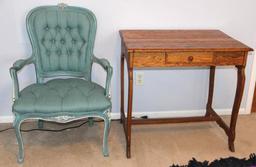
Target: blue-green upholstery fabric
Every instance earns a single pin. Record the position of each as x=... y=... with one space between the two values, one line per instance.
x=62 y=95
x=62 y=40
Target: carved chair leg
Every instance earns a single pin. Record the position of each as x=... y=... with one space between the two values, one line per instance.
x=17 y=123
x=40 y=124
x=105 y=136
x=91 y=122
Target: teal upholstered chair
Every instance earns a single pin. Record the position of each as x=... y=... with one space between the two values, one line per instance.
x=62 y=39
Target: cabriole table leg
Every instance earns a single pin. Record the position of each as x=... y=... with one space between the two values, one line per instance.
x=236 y=106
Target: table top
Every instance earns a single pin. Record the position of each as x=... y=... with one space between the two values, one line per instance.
x=180 y=40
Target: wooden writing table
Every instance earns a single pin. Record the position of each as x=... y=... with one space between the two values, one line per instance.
x=181 y=48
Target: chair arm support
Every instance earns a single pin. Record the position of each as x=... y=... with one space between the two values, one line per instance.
x=18 y=65
x=104 y=63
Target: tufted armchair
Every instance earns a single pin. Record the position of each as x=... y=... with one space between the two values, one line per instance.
x=62 y=39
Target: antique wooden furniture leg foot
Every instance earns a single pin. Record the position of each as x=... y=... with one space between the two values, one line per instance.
x=231 y=145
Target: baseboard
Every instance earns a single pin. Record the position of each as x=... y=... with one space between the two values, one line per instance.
x=6 y=119
x=153 y=114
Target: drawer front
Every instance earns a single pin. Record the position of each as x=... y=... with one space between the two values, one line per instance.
x=147 y=59
x=190 y=58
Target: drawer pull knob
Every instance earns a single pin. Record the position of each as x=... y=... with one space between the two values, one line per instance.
x=190 y=58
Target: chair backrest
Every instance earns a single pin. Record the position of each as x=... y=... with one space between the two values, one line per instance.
x=62 y=40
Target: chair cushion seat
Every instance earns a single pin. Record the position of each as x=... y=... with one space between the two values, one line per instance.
x=62 y=95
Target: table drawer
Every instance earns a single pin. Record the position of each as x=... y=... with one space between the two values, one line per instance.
x=189 y=58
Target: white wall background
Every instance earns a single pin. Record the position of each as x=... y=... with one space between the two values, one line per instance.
x=164 y=90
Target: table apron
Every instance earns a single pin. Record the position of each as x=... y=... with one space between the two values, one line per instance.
x=187 y=59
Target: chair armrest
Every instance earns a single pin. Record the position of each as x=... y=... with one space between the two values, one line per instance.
x=104 y=63
x=18 y=65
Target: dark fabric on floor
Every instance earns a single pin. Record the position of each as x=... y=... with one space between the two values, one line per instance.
x=223 y=162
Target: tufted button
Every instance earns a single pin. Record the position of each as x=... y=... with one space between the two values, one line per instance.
x=70 y=51
x=79 y=52
x=74 y=41
x=47 y=52
x=62 y=41
x=53 y=40
x=57 y=28
x=84 y=41
x=68 y=28
x=46 y=28
x=58 y=52
x=42 y=40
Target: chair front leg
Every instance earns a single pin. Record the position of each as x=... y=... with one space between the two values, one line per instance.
x=17 y=124
x=107 y=121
